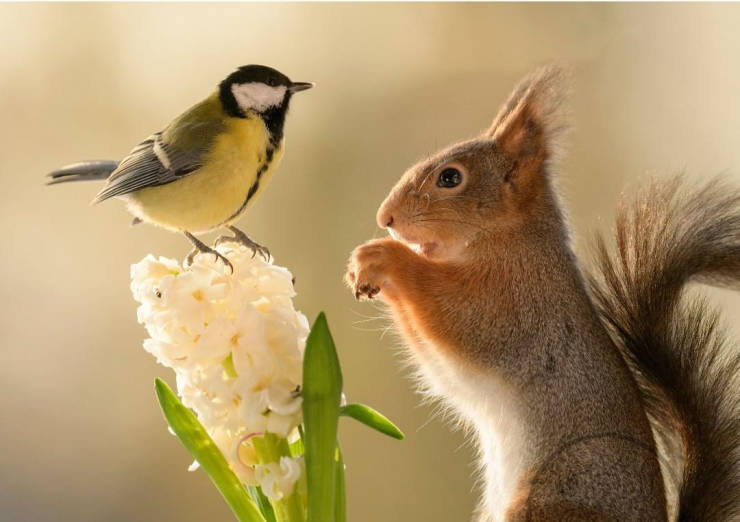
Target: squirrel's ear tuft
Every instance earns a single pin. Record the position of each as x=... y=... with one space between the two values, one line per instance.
x=532 y=123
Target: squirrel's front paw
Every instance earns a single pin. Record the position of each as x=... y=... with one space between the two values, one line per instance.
x=370 y=265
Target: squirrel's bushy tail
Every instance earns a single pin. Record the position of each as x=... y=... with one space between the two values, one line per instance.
x=689 y=374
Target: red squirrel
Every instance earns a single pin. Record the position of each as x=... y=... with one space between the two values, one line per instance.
x=577 y=387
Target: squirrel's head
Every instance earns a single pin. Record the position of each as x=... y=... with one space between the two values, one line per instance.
x=483 y=189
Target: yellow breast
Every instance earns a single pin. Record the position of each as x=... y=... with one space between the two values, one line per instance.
x=215 y=194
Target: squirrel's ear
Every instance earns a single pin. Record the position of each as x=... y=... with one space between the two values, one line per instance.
x=531 y=123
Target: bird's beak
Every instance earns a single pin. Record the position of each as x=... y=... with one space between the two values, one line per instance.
x=300 y=86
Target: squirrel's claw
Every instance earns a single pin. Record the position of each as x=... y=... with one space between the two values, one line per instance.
x=369 y=268
x=366 y=290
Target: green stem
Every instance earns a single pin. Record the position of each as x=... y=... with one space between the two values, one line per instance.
x=270 y=448
x=289 y=509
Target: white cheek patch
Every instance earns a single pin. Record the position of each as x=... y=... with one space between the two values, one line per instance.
x=258 y=96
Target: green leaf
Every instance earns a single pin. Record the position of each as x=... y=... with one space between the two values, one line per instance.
x=200 y=445
x=340 y=501
x=262 y=502
x=322 y=389
x=372 y=418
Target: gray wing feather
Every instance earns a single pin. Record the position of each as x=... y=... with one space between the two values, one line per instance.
x=149 y=164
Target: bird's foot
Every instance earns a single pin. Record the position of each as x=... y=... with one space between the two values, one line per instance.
x=241 y=238
x=194 y=252
x=202 y=248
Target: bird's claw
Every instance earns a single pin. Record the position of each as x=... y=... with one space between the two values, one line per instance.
x=263 y=251
x=241 y=238
x=206 y=250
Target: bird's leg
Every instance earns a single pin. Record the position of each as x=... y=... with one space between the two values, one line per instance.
x=202 y=248
x=241 y=237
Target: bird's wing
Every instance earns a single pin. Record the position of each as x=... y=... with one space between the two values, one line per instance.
x=158 y=161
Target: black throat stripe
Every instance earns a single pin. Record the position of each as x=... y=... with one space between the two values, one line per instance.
x=269 y=152
x=274 y=119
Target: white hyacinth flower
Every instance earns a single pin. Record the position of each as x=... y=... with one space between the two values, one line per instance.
x=277 y=477
x=236 y=344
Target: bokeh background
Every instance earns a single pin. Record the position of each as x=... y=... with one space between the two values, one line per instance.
x=81 y=437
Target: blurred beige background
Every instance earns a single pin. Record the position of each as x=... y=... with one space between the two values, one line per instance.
x=656 y=89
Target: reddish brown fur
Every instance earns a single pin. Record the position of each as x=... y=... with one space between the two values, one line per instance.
x=497 y=317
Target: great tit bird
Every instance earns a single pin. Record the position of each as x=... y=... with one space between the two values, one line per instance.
x=204 y=169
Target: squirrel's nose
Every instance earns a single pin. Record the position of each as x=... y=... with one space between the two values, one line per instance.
x=384 y=219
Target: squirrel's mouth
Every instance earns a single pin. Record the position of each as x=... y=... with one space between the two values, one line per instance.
x=425 y=248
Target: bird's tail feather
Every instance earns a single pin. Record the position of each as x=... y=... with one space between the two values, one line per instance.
x=85 y=171
x=687 y=369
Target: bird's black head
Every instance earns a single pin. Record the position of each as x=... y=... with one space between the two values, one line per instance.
x=259 y=89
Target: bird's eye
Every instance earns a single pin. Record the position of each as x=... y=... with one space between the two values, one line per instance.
x=449 y=177
x=272 y=82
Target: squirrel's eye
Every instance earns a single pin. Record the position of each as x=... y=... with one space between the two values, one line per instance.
x=449 y=177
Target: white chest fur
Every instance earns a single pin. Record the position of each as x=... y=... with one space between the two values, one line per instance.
x=485 y=403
